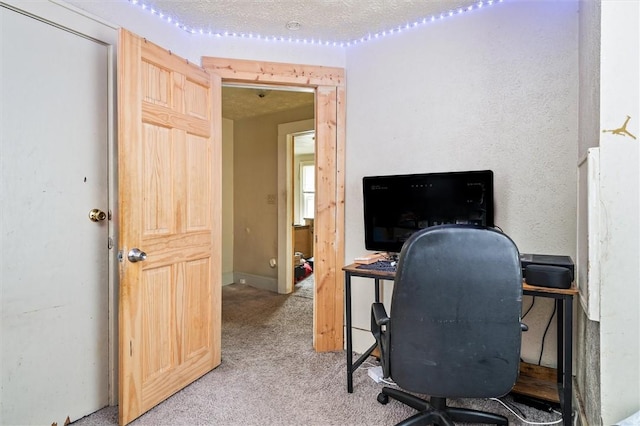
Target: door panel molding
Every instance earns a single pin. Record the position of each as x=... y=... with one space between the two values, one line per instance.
x=170 y=188
x=328 y=83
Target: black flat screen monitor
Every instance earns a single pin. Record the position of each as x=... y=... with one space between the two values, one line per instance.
x=397 y=206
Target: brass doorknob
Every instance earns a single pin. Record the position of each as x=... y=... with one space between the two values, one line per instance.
x=97 y=215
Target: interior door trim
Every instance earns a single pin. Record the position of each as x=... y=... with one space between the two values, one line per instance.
x=329 y=86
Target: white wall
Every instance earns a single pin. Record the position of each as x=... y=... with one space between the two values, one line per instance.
x=494 y=89
x=620 y=267
x=607 y=365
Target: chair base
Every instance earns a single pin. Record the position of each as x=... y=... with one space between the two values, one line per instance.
x=435 y=411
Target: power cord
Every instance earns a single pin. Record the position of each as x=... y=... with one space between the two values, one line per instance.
x=544 y=335
x=377 y=376
x=555 y=422
x=533 y=302
x=514 y=407
x=388 y=382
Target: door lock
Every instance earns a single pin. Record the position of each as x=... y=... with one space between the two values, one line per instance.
x=97 y=215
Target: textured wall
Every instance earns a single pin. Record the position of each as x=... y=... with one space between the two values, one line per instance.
x=587 y=368
x=589 y=83
x=587 y=336
x=495 y=89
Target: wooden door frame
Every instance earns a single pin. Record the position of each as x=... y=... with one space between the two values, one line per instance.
x=285 y=201
x=330 y=115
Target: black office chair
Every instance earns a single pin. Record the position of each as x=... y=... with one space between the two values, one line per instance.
x=455 y=329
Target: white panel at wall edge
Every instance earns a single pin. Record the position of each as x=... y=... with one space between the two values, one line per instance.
x=588 y=258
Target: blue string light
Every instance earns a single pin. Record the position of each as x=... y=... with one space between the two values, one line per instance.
x=384 y=33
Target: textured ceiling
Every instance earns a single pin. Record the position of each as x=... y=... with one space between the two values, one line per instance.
x=327 y=20
x=241 y=102
x=339 y=21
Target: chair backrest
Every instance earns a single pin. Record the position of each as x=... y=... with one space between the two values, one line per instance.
x=455 y=313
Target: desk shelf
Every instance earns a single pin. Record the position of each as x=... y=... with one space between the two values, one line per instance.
x=537 y=382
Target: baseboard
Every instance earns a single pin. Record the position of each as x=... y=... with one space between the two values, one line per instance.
x=227 y=278
x=257 y=281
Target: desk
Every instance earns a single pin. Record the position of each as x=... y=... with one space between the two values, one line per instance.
x=564 y=322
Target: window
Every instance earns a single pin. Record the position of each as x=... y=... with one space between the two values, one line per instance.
x=308 y=189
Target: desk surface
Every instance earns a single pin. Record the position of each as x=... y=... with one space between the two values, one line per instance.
x=389 y=275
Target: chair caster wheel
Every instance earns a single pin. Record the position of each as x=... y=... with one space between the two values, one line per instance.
x=383 y=399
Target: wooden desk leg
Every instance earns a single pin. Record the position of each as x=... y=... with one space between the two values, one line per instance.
x=347 y=299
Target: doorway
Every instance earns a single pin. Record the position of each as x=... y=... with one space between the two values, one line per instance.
x=255 y=184
x=286 y=205
x=328 y=85
x=302 y=190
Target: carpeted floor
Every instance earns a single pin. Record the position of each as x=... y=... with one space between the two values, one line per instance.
x=304 y=288
x=270 y=375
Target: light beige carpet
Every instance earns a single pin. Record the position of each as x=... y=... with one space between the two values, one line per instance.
x=304 y=288
x=270 y=375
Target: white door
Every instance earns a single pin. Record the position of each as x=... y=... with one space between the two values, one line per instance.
x=53 y=259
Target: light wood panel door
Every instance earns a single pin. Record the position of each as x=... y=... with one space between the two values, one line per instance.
x=169 y=188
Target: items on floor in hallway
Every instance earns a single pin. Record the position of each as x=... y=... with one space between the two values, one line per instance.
x=302 y=267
